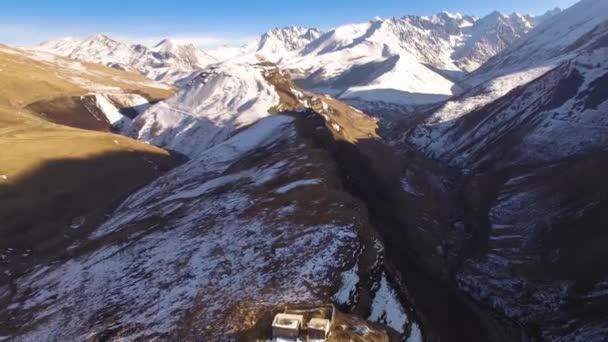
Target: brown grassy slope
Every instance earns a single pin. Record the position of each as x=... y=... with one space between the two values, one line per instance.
x=345 y=122
x=51 y=174
x=27 y=77
x=53 y=86
x=74 y=111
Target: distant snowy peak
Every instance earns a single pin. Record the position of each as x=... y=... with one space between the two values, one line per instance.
x=104 y=50
x=550 y=13
x=554 y=39
x=450 y=41
x=183 y=54
x=215 y=104
x=279 y=42
x=169 y=45
x=168 y=61
x=411 y=60
x=545 y=79
x=488 y=36
x=447 y=20
x=61 y=46
x=292 y=37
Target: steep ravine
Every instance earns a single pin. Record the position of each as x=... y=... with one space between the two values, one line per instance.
x=371 y=171
x=424 y=236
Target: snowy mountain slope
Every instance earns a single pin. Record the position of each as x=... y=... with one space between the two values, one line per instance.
x=226 y=98
x=279 y=43
x=220 y=101
x=530 y=146
x=186 y=248
x=220 y=235
x=460 y=131
x=40 y=96
x=410 y=60
x=488 y=36
x=544 y=223
x=547 y=43
x=168 y=61
x=273 y=46
x=219 y=240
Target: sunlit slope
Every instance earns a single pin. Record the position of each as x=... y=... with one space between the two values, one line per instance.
x=57 y=182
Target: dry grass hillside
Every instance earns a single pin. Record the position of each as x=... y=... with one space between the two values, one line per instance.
x=30 y=76
x=345 y=122
x=59 y=89
x=58 y=182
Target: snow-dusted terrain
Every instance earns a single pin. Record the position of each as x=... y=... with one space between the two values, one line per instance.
x=410 y=60
x=281 y=43
x=168 y=61
x=217 y=103
x=406 y=61
x=194 y=252
x=531 y=136
x=501 y=193
x=545 y=98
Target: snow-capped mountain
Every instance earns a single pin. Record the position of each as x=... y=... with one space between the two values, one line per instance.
x=167 y=62
x=273 y=46
x=530 y=139
x=215 y=104
x=410 y=60
x=182 y=56
x=279 y=43
x=488 y=36
x=550 y=13
x=511 y=69
x=551 y=41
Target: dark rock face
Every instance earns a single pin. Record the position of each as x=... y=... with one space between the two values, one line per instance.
x=595 y=94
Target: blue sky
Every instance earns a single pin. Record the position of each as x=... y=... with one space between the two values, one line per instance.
x=212 y=23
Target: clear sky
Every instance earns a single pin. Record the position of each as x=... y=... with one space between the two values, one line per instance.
x=210 y=23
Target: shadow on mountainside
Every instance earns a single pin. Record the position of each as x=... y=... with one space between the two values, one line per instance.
x=420 y=229
x=371 y=171
x=48 y=209
x=74 y=111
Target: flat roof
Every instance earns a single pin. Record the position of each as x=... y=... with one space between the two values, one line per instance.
x=287 y=321
x=319 y=324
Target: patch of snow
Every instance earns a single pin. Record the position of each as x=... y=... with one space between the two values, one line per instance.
x=347 y=293
x=415 y=334
x=387 y=308
x=128 y=100
x=408 y=187
x=203 y=254
x=112 y=113
x=304 y=182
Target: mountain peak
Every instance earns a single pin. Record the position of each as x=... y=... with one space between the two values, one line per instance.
x=100 y=37
x=451 y=15
x=166 y=45
x=165 y=42
x=550 y=13
x=278 y=41
x=288 y=32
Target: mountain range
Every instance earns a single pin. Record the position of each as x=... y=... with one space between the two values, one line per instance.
x=408 y=61
x=436 y=178
x=168 y=61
